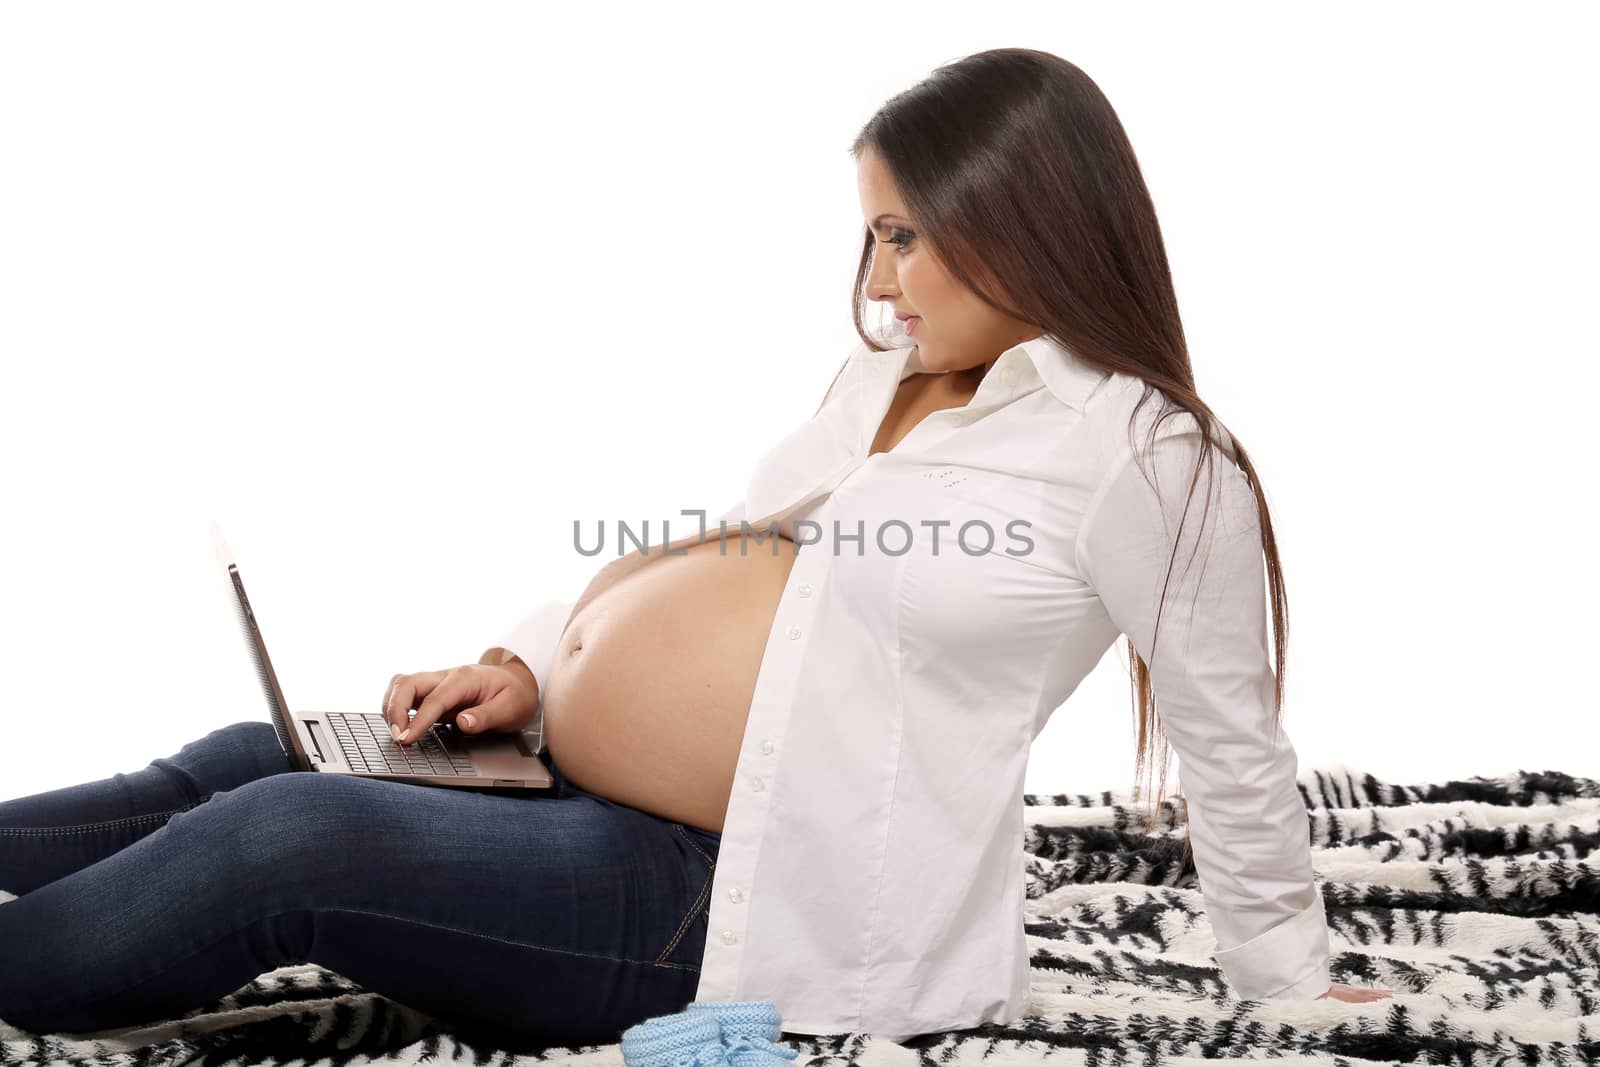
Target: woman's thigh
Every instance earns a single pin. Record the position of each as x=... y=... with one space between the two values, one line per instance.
x=562 y=918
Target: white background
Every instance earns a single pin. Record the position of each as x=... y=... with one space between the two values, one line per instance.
x=398 y=291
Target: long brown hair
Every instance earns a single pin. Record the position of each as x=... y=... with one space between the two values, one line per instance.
x=1016 y=169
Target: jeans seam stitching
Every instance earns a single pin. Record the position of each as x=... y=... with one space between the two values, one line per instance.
x=703 y=854
x=688 y=920
x=91 y=827
x=694 y=909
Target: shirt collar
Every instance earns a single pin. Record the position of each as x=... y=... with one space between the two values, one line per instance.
x=1069 y=379
x=1021 y=368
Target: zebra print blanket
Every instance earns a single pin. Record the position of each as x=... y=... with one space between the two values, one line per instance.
x=1475 y=899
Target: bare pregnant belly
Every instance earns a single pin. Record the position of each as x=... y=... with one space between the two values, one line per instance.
x=647 y=701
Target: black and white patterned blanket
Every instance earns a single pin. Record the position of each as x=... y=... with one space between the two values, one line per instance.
x=1475 y=899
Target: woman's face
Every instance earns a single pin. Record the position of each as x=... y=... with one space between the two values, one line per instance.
x=954 y=330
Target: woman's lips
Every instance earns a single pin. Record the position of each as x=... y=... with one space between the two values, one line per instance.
x=911 y=323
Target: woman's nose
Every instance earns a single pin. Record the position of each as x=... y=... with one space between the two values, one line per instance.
x=881 y=284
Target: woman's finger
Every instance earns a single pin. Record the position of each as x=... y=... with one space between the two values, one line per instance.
x=452 y=689
x=1355 y=994
x=494 y=714
x=403 y=693
x=397 y=701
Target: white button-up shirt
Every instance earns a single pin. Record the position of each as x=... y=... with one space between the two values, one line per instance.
x=947 y=596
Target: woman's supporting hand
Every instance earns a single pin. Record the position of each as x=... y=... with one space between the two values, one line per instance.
x=476 y=697
x=1355 y=993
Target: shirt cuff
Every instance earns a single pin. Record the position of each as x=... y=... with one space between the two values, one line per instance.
x=535 y=641
x=1288 y=962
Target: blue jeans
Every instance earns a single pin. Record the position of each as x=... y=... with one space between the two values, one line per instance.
x=540 y=917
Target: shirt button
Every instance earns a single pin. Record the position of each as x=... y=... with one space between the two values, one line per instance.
x=736 y=894
x=756 y=784
x=729 y=937
x=766 y=746
x=794 y=633
x=805 y=588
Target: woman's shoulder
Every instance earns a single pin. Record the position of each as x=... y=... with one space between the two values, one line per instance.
x=1125 y=400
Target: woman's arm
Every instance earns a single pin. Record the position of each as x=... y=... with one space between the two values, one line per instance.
x=1214 y=687
x=533 y=641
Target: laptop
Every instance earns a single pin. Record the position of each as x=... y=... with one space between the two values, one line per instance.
x=359 y=743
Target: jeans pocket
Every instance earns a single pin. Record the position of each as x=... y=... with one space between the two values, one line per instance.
x=687 y=946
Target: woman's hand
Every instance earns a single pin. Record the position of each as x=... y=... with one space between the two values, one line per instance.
x=1355 y=993
x=477 y=698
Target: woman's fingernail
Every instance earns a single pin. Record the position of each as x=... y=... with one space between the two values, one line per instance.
x=394 y=731
x=466 y=720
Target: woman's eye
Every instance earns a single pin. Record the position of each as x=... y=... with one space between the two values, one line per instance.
x=900 y=238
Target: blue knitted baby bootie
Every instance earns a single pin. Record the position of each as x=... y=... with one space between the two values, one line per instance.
x=677 y=1040
x=750 y=1030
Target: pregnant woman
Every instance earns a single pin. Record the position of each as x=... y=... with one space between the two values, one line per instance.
x=788 y=748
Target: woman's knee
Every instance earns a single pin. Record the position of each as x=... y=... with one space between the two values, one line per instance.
x=226 y=758
x=253 y=738
x=278 y=809
x=301 y=831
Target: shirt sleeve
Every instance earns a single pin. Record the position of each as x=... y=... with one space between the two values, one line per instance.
x=536 y=638
x=1213 y=682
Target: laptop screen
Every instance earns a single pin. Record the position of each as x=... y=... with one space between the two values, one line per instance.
x=277 y=707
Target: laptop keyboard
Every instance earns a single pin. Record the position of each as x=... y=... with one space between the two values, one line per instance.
x=369 y=747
